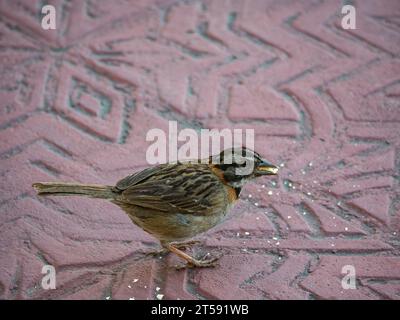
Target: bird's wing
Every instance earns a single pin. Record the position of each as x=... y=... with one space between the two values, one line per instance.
x=138 y=177
x=183 y=188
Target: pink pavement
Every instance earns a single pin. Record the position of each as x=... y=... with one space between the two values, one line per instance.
x=76 y=104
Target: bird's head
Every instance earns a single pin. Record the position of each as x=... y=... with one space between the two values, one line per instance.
x=240 y=165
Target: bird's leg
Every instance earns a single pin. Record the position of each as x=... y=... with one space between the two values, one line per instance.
x=191 y=262
x=178 y=245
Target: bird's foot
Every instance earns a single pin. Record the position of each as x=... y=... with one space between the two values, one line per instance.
x=185 y=244
x=199 y=263
x=159 y=252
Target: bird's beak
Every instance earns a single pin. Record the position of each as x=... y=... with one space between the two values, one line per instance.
x=265 y=168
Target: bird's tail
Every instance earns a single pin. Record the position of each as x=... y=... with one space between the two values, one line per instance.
x=74 y=189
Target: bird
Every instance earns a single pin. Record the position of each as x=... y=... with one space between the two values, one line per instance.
x=176 y=201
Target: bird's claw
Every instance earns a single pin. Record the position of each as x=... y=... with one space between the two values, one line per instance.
x=155 y=253
x=202 y=263
x=186 y=244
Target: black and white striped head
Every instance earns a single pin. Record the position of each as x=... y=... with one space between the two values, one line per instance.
x=241 y=164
